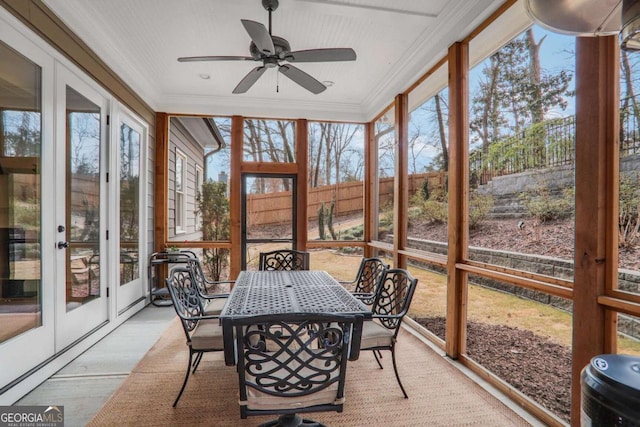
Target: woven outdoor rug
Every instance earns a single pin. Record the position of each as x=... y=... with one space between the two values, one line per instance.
x=439 y=395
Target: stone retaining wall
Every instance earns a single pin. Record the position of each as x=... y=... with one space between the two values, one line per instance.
x=628 y=280
x=506 y=189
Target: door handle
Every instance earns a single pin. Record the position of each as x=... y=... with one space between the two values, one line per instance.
x=63 y=245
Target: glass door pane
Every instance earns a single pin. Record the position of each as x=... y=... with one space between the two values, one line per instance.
x=130 y=136
x=269 y=215
x=20 y=194
x=82 y=200
x=129 y=203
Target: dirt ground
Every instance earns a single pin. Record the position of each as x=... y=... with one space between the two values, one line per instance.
x=532 y=364
x=553 y=238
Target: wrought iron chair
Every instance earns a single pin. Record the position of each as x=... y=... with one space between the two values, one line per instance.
x=284 y=259
x=294 y=363
x=203 y=332
x=213 y=303
x=365 y=284
x=390 y=305
x=158 y=269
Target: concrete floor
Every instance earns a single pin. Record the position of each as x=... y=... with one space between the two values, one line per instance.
x=86 y=383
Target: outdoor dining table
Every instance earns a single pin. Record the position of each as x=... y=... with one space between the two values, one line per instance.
x=272 y=292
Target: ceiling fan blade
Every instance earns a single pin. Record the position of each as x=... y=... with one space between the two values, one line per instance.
x=302 y=78
x=260 y=36
x=248 y=80
x=214 y=58
x=322 y=55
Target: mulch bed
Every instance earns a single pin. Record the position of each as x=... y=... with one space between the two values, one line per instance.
x=532 y=364
x=527 y=236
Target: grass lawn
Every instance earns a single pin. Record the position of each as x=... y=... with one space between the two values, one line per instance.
x=484 y=305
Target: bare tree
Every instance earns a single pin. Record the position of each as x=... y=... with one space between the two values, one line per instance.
x=441 y=132
x=629 y=104
x=269 y=141
x=515 y=90
x=331 y=153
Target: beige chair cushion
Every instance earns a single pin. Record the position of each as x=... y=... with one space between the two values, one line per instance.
x=261 y=401
x=375 y=335
x=207 y=335
x=214 y=306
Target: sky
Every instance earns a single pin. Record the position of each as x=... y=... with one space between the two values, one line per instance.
x=556 y=53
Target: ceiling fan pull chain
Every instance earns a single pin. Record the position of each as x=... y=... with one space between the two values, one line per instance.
x=277 y=82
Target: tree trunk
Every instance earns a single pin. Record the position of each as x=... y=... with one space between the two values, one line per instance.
x=630 y=98
x=443 y=136
x=288 y=152
x=327 y=136
x=316 y=172
x=489 y=125
x=537 y=115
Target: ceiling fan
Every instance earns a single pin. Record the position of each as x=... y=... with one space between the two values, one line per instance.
x=271 y=50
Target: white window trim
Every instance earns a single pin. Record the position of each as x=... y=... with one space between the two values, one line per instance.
x=180 y=206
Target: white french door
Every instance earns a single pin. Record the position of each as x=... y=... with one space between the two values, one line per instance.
x=131 y=135
x=27 y=268
x=80 y=208
x=72 y=211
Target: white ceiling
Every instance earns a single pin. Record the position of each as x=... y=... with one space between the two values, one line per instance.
x=395 y=42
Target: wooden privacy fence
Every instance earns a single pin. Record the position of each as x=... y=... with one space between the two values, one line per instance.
x=275 y=208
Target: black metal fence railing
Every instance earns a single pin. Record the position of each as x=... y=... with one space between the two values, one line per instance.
x=547 y=144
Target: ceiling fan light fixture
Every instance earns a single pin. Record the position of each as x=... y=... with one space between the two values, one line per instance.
x=630 y=33
x=270 y=50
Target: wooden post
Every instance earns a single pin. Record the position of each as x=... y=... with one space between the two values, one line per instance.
x=401 y=183
x=235 y=196
x=370 y=168
x=302 y=159
x=597 y=173
x=458 y=198
x=161 y=189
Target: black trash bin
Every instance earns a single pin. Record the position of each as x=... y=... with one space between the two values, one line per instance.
x=611 y=391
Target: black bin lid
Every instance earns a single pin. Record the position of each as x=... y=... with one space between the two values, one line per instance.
x=619 y=370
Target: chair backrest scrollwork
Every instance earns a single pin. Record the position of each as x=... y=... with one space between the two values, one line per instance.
x=393 y=297
x=185 y=297
x=287 y=362
x=368 y=278
x=284 y=259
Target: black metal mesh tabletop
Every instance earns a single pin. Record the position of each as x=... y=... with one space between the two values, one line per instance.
x=269 y=292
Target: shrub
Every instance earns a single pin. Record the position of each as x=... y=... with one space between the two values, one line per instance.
x=629 y=215
x=213 y=206
x=479 y=207
x=434 y=209
x=541 y=204
x=353 y=233
x=385 y=220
